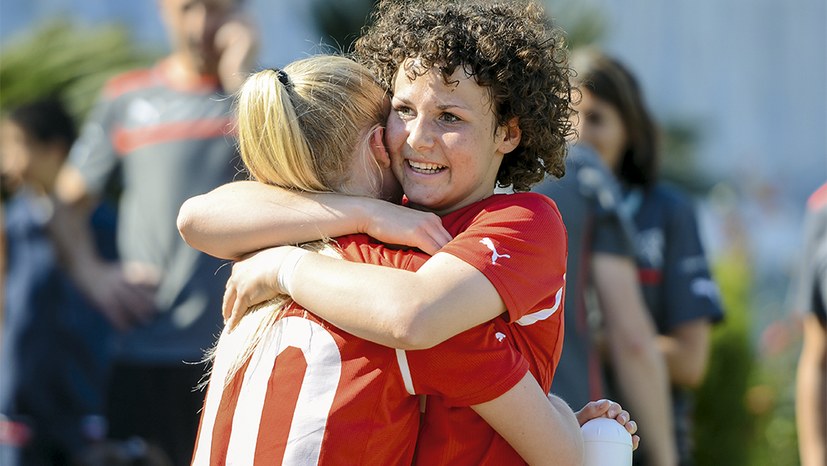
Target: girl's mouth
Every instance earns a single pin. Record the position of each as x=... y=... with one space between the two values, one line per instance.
x=426 y=168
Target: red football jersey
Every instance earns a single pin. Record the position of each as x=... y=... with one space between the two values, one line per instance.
x=519 y=242
x=314 y=394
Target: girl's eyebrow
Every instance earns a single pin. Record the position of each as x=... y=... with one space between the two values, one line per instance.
x=439 y=107
x=450 y=106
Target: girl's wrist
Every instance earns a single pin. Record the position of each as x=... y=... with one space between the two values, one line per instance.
x=284 y=277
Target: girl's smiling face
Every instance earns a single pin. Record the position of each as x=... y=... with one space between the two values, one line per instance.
x=444 y=144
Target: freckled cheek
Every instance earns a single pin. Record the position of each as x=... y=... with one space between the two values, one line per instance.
x=396 y=134
x=453 y=142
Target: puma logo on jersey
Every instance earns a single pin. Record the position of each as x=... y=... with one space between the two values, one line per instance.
x=494 y=254
x=500 y=336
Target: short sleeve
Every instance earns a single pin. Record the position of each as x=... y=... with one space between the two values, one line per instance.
x=691 y=292
x=519 y=243
x=472 y=367
x=93 y=154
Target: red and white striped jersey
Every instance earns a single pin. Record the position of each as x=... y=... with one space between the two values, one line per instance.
x=313 y=394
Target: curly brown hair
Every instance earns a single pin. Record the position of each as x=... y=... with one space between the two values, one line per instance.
x=508 y=47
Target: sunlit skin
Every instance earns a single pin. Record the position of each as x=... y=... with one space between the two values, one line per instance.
x=442 y=141
x=599 y=124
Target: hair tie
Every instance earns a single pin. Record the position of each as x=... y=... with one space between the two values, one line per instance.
x=282 y=76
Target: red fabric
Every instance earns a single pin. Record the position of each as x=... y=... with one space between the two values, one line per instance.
x=127 y=141
x=157 y=75
x=527 y=228
x=130 y=81
x=650 y=276
x=372 y=418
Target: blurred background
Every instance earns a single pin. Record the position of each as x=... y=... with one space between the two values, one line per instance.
x=739 y=88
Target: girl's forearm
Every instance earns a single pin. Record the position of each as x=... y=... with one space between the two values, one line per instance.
x=246 y=216
x=543 y=430
x=397 y=308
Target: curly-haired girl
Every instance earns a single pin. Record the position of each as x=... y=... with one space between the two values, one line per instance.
x=506 y=48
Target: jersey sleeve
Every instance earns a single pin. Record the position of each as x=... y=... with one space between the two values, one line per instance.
x=472 y=367
x=94 y=154
x=520 y=245
x=687 y=282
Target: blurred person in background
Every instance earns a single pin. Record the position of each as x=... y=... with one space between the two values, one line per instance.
x=160 y=136
x=677 y=287
x=55 y=351
x=808 y=299
x=601 y=262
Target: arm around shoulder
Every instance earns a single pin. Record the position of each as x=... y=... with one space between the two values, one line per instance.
x=245 y=216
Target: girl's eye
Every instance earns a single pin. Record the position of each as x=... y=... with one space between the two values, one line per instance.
x=450 y=117
x=403 y=111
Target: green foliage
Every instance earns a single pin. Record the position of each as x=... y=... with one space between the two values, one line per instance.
x=679 y=139
x=772 y=398
x=723 y=425
x=61 y=59
x=341 y=21
x=584 y=22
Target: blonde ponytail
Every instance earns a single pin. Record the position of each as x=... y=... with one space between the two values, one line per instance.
x=268 y=128
x=305 y=134
x=303 y=128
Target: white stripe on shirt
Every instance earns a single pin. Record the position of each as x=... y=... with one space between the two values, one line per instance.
x=544 y=314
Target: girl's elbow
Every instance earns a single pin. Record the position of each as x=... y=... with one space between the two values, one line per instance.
x=191 y=226
x=411 y=329
x=412 y=338
x=409 y=341
x=187 y=219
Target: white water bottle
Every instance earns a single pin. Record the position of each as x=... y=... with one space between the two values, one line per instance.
x=606 y=443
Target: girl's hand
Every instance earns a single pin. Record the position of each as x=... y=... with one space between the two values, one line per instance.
x=394 y=224
x=611 y=410
x=254 y=280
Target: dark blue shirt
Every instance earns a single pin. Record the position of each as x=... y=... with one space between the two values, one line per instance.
x=55 y=346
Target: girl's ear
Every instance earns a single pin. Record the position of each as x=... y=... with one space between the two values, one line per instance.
x=377 y=147
x=511 y=135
